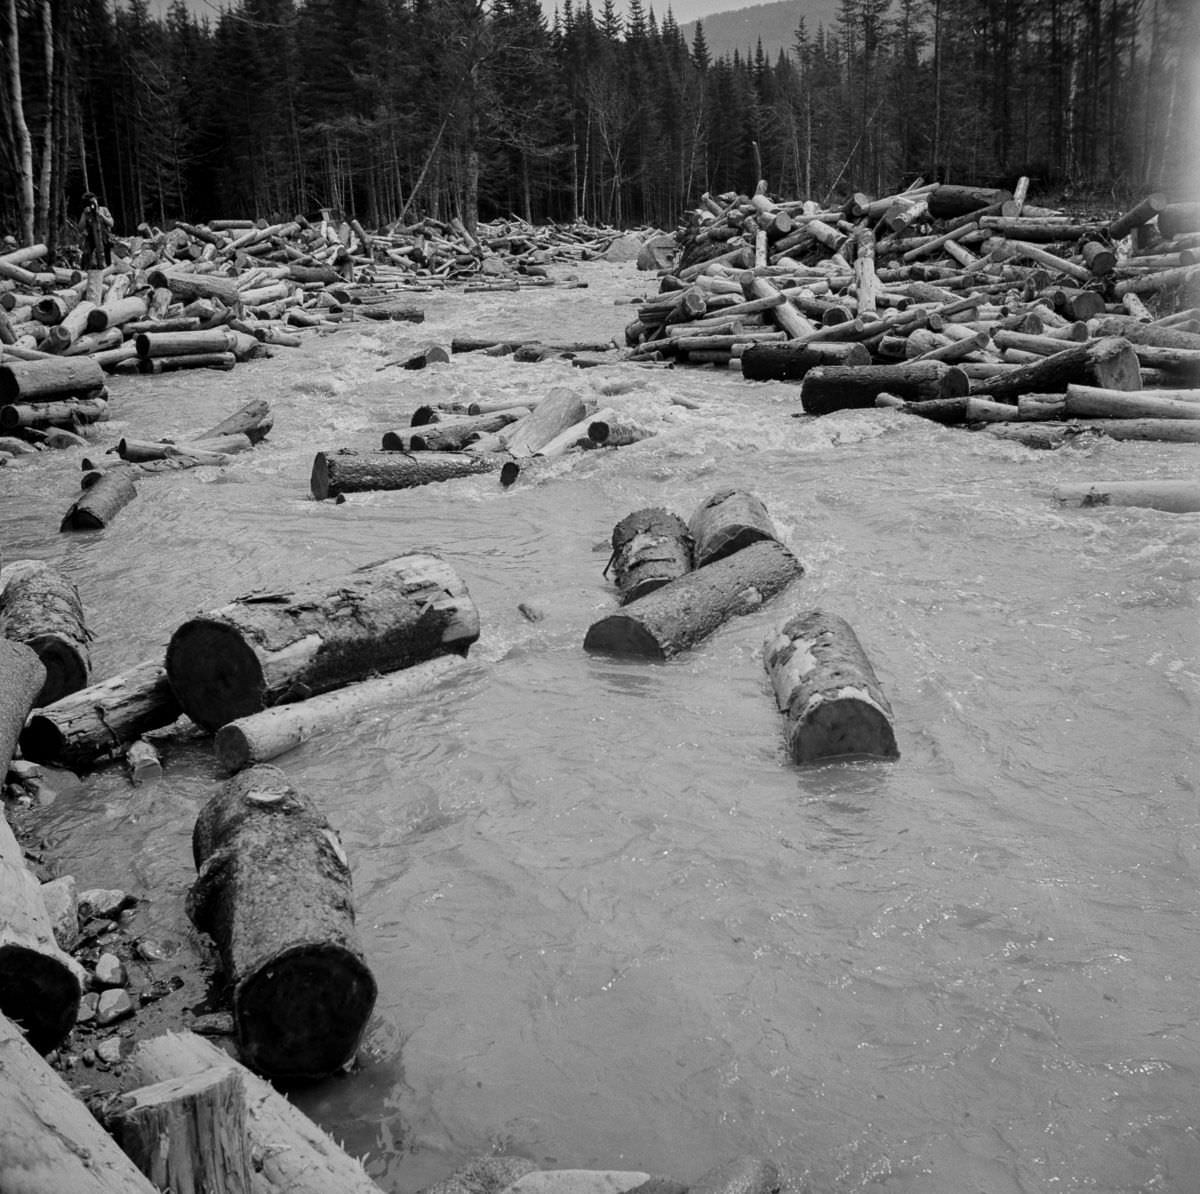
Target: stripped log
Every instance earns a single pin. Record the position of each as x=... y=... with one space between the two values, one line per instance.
x=252 y=420
x=264 y=736
x=727 y=522
x=1137 y=332
x=651 y=548
x=344 y=471
x=1172 y=431
x=682 y=613
x=829 y=388
x=791 y=361
x=22 y=675
x=826 y=688
x=101 y=720
x=189 y=286
x=151 y=345
x=273 y=891
x=291 y=1154
x=52 y=1142
x=49 y=377
x=1091 y=402
x=66 y=412
x=40 y=607
x=1110 y=363
x=560 y=409
x=101 y=500
x=269 y=649
x=1175 y=497
x=207 y=451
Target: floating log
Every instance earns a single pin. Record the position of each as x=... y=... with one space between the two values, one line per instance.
x=1175 y=431
x=207 y=451
x=50 y=377
x=269 y=649
x=41 y=608
x=273 y=891
x=100 y=501
x=341 y=472
x=449 y=435
x=1141 y=213
x=560 y=409
x=52 y=1142
x=1110 y=363
x=152 y=345
x=252 y=420
x=682 y=613
x=1175 y=497
x=66 y=412
x=791 y=361
x=264 y=736
x=291 y=1154
x=191 y=360
x=651 y=547
x=187 y=1134
x=101 y=720
x=829 y=388
x=727 y=522
x=826 y=688
x=405 y=312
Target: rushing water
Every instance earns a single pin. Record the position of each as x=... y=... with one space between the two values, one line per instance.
x=612 y=925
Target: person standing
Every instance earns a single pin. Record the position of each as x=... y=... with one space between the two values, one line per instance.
x=95 y=228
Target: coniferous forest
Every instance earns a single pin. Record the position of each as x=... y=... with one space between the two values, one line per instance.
x=395 y=109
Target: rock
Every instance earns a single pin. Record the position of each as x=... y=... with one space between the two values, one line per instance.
x=578 y=1181
x=87 y=1008
x=109 y=1050
x=661 y=1185
x=109 y=971
x=114 y=1005
x=213 y=1024
x=62 y=903
x=742 y=1175
x=658 y=253
x=624 y=248
x=103 y=902
x=483 y=1175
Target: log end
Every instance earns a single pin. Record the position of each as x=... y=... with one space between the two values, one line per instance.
x=214 y=673
x=320 y=482
x=40 y=993
x=844 y=727
x=302 y=1016
x=622 y=636
x=66 y=668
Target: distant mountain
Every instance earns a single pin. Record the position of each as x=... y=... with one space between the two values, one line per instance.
x=775 y=24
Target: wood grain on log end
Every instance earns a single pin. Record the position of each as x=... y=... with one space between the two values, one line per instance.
x=622 y=634
x=38 y=992
x=214 y=673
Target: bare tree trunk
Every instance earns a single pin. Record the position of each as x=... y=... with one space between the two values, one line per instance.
x=24 y=144
x=42 y=219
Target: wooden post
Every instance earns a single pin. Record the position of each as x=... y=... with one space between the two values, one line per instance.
x=825 y=686
x=273 y=892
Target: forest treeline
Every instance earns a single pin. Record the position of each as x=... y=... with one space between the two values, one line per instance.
x=395 y=109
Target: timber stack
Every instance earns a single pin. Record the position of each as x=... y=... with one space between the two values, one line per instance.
x=964 y=305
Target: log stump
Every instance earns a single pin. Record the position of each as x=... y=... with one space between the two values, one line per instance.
x=826 y=688
x=651 y=548
x=274 y=893
x=726 y=522
x=268 y=649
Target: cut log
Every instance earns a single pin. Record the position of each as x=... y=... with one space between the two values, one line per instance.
x=829 y=388
x=52 y=1143
x=1175 y=497
x=449 y=435
x=1137 y=332
x=680 y=614
x=791 y=361
x=1090 y=402
x=341 y=472
x=616 y=431
x=651 y=548
x=22 y=676
x=826 y=688
x=66 y=412
x=560 y=409
x=50 y=377
x=1141 y=213
x=41 y=608
x=188 y=286
x=291 y=1154
x=405 y=312
x=252 y=420
x=264 y=736
x=274 y=893
x=187 y=1135
x=1110 y=363
x=269 y=649
x=209 y=451
x=151 y=345
x=727 y=522
x=101 y=720
x=948 y=200
x=101 y=501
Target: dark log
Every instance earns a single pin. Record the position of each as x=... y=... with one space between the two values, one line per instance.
x=41 y=608
x=274 y=893
x=680 y=614
x=1076 y=304
x=186 y=360
x=950 y=412
x=1176 y=219
x=1110 y=363
x=826 y=688
x=727 y=522
x=52 y=1142
x=948 y=200
x=101 y=501
x=1175 y=497
x=1090 y=402
x=252 y=420
x=52 y=377
x=449 y=435
x=651 y=547
x=405 y=312
x=1141 y=213
x=337 y=473
x=172 y=344
x=66 y=412
x=829 y=388
x=102 y=720
x=291 y=1154
x=791 y=361
x=201 y=451
x=267 y=649
x=616 y=430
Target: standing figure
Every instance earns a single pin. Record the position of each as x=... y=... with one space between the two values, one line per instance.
x=95 y=226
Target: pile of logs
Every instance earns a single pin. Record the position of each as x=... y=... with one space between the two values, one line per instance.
x=963 y=305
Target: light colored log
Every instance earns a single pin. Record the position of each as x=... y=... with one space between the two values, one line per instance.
x=1090 y=402
x=1175 y=497
x=560 y=409
x=727 y=522
x=49 y=377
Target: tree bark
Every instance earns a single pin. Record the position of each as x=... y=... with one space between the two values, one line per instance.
x=825 y=686
x=948 y=200
x=726 y=523
x=337 y=473
x=682 y=613
x=1110 y=363
x=791 y=361
x=449 y=435
x=1138 y=333
x=100 y=502
x=269 y=649
x=274 y=893
x=1091 y=402
x=1176 y=497
x=252 y=420
x=66 y=412
x=50 y=377
x=81 y=729
x=828 y=388
x=651 y=548
x=173 y=344
x=188 y=286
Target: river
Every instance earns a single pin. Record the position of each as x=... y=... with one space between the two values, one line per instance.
x=612 y=925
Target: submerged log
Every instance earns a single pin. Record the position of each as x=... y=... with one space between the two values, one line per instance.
x=49 y=377
x=651 y=548
x=726 y=522
x=101 y=500
x=52 y=1142
x=829 y=388
x=1110 y=363
x=104 y=719
x=825 y=686
x=41 y=608
x=252 y=420
x=274 y=893
x=680 y=614
x=341 y=472
x=1175 y=497
x=291 y=1154
x=272 y=648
